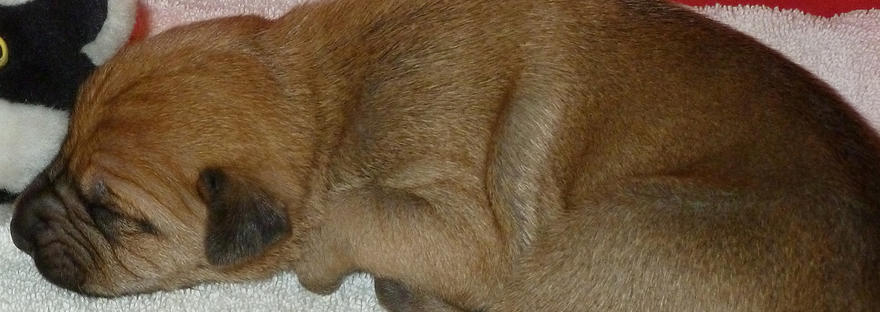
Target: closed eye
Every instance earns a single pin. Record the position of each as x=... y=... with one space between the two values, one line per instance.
x=115 y=225
x=109 y=221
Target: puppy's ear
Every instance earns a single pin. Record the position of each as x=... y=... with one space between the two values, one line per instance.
x=243 y=220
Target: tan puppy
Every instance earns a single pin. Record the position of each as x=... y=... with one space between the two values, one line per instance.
x=497 y=155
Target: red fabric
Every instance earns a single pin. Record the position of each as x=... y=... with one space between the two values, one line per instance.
x=142 y=23
x=817 y=7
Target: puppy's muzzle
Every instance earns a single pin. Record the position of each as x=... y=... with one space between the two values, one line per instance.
x=29 y=219
x=41 y=228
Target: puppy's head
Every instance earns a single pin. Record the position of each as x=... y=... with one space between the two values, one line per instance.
x=182 y=156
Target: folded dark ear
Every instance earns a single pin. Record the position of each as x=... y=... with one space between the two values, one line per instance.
x=243 y=220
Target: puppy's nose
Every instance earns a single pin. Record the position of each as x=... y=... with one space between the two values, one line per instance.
x=31 y=211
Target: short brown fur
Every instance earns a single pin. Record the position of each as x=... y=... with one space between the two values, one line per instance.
x=497 y=155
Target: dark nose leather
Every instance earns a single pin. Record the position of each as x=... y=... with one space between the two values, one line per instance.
x=37 y=229
x=31 y=211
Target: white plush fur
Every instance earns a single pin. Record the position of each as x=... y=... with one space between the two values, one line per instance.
x=29 y=138
x=13 y=2
x=115 y=31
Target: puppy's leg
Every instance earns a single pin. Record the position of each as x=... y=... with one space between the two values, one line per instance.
x=396 y=297
x=433 y=238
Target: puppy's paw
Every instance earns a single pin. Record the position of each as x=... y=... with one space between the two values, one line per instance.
x=393 y=295
x=323 y=272
x=322 y=285
x=396 y=297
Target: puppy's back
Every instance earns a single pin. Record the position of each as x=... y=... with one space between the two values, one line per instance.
x=696 y=168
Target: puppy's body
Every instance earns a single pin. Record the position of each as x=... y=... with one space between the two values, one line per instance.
x=501 y=155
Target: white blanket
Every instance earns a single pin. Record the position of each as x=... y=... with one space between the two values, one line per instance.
x=844 y=50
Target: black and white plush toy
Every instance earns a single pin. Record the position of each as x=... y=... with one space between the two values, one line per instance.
x=49 y=47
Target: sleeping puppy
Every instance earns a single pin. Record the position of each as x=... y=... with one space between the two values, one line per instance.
x=494 y=155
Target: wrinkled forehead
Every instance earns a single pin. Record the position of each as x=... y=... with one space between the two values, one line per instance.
x=131 y=182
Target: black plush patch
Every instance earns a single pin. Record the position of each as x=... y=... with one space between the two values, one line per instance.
x=242 y=219
x=45 y=39
x=6 y=196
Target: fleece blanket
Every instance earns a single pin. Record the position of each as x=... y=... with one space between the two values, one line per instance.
x=843 y=50
x=827 y=8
